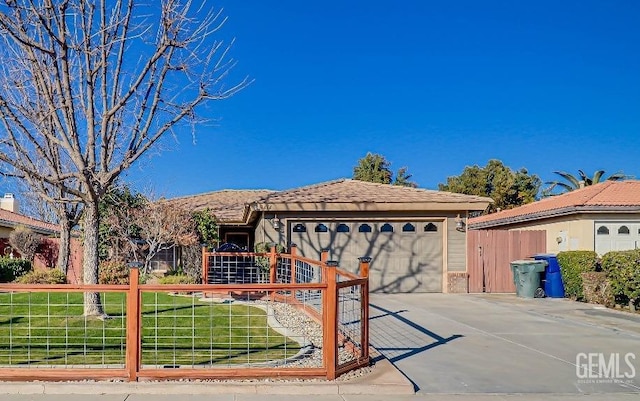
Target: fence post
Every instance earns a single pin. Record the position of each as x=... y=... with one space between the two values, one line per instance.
x=205 y=262
x=293 y=251
x=324 y=257
x=330 y=310
x=133 y=323
x=273 y=263
x=364 y=304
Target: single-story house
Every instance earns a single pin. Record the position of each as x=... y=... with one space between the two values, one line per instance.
x=415 y=237
x=600 y=217
x=10 y=218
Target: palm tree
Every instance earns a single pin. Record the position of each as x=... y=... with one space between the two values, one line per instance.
x=572 y=182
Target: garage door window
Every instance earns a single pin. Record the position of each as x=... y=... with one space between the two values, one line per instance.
x=342 y=228
x=299 y=228
x=321 y=228
x=623 y=230
x=386 y=228
x=430 y=228
x=408 y=228
x=364 y=228
x=603 y=230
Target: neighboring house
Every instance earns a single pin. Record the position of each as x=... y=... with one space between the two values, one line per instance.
x=10 y=219
x=415 y=237
x=600 y=217
x=47 y=256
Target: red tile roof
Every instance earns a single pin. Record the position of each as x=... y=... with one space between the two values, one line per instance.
x=11 y=219
x=605 y=196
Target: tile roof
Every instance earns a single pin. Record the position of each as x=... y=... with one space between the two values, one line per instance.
x=354 y=191
x=11 y=219
x=608 y=195
x=228 y=205
x=231 y=206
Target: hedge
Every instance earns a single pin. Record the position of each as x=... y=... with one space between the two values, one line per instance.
x=113 y=272
x=623 y=272
x=572 y=265
x=11 y=269
x=49 y=276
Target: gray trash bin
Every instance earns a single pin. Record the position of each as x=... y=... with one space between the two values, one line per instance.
x=526 y=276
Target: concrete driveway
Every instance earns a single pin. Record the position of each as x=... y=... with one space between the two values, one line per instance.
x=462 y=343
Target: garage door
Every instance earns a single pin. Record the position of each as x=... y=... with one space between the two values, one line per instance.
x=616 y=236
x=406 y=255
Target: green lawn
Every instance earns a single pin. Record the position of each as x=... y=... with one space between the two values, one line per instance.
x=49 y=329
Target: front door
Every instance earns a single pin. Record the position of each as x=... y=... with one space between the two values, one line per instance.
x=240 y=239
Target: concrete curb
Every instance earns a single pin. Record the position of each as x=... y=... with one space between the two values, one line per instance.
x=384 y=379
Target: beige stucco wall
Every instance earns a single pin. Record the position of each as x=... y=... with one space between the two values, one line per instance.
x=575 y=232
x=5 y=231
x=456 y=247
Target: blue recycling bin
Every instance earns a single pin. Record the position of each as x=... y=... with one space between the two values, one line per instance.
x=553 y=286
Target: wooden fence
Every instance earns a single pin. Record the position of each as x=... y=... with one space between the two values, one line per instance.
x=336 y=299
x=490 y=252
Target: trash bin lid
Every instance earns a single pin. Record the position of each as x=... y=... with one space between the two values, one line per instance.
x=529 y=266
x=551 y=259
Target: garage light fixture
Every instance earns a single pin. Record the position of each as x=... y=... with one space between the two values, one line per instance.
x=275 y=222
x=460 y=226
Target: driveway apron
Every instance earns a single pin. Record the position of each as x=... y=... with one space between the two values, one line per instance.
x=460 y=343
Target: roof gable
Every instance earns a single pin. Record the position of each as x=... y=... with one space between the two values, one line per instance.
x=605 y=196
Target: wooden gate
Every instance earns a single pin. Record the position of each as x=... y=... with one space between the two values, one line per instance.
x=490 y=252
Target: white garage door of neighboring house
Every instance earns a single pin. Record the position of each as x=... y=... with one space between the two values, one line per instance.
x=406 y=255
x=616 y=236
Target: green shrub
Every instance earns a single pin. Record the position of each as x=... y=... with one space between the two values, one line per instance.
x=623 y=272
x=113 y=272
x=265 y=247
x=41 y=276
x=573 y=264
x=176 y=279
x=11 y=269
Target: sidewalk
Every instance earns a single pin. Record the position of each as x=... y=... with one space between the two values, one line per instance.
x=336 y=397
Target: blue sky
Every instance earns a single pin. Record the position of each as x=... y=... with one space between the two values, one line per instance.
x=431 y=85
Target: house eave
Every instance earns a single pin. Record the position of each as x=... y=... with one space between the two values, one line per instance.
x=369 y=206
x=39 y=230
x=547 y=214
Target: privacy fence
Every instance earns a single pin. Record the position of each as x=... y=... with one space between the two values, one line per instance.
x=258 y=315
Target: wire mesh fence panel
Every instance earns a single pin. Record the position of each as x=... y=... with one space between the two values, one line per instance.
x=49 y=329
x=251 y=329
x=283 y=271
x=307 y=273
x=237 y=269
x=350 y=315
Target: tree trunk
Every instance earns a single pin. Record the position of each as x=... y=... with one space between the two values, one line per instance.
x=92 y=303
x=64 y=247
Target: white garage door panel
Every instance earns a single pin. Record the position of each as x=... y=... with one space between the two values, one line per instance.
x=617 y=238
x=401 y=261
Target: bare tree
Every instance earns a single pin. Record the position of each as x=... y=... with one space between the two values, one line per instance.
x=98 y=83
x=145 y=228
